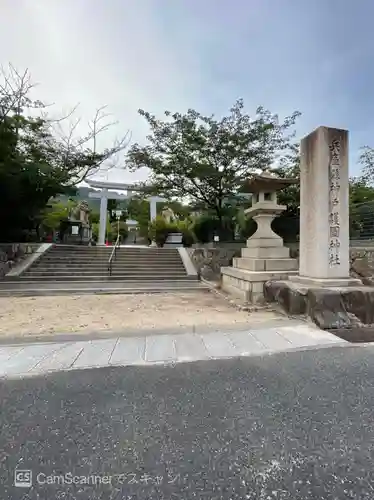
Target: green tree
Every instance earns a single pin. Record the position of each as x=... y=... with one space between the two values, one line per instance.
x=360 y=191
x=38 y=161
x=52 y=215
x=290 y=168
x=138 y=209
x=94 y=217
x=180 y=209
x=366 y=160
x=361 y=198
x=120 y=227
x=204 y=159
x=158 y=230
x=111 y=208
x=361 y=201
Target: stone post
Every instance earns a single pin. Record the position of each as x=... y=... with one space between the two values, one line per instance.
x=153 y=211
x=153 y=208
x=324 y=209
x=103 y=216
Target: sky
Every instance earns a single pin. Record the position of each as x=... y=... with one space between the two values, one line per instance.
x=312 y=56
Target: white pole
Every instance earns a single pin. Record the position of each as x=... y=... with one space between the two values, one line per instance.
x=103 y=216
x=153 y=208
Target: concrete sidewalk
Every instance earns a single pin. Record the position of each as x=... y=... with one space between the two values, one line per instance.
x=36 y=359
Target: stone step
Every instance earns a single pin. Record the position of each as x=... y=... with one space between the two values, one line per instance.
x=104 y=263
x=64 y=254
x=106 y=259
x=144 y=258
x=150 y=255
x=94 y=265
x=106 y=277
x=104 y=273
x=109 y=250
x=25 y=289
x=90 y=264
x=21 y=283
x=103 y=270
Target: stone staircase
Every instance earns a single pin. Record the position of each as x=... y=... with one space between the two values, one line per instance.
x=64 y=269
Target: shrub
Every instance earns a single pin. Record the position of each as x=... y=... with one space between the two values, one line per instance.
x=286 y=226
x=185 y=227
x=123 y=231
x=247 y=226
x=110 y=236
x=111 y=231
x=188 y=238
x=158 y=230
x=204 y=228
x=95 y=231
x=207 y=226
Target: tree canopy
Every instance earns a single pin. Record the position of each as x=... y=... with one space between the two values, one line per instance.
x=195 y=161
x=205 y=159
x=366 y=160
x=36 y=162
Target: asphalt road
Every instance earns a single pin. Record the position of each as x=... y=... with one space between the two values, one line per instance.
x=288 y=426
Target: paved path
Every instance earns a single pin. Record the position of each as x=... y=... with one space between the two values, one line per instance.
x=36 y=359
x=291 y=426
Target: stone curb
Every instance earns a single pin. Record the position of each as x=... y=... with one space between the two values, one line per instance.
x=26 y=263
x=172 y=363
x=110 y=334
x=187 y=262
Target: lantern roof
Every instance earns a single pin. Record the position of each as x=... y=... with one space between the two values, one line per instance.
x=268 y=181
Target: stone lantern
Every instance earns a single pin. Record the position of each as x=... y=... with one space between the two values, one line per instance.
x=264 y=257
x=265 y=206
x=76 y=228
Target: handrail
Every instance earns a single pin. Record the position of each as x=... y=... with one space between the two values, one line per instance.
x=113 y=254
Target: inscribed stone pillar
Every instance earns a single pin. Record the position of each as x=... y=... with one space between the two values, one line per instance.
x=324 y=208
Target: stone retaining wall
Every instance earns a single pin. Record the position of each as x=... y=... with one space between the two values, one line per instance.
x=230 y=245
x=355 y=252
x=208 y=261
x=12 y=253
x=363 y=253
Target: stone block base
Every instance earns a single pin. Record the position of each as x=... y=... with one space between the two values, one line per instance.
x=265 y=242
x=248 y=285
x=329 y=307
x=274 y=265
x=266 y=252
x=244 y=290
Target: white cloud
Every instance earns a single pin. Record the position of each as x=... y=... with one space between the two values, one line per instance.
x=95 y=53
x=170 y=54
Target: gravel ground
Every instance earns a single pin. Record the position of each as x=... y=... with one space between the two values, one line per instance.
x=79 y=314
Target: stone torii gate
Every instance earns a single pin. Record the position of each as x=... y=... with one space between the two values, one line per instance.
x=104 y=195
